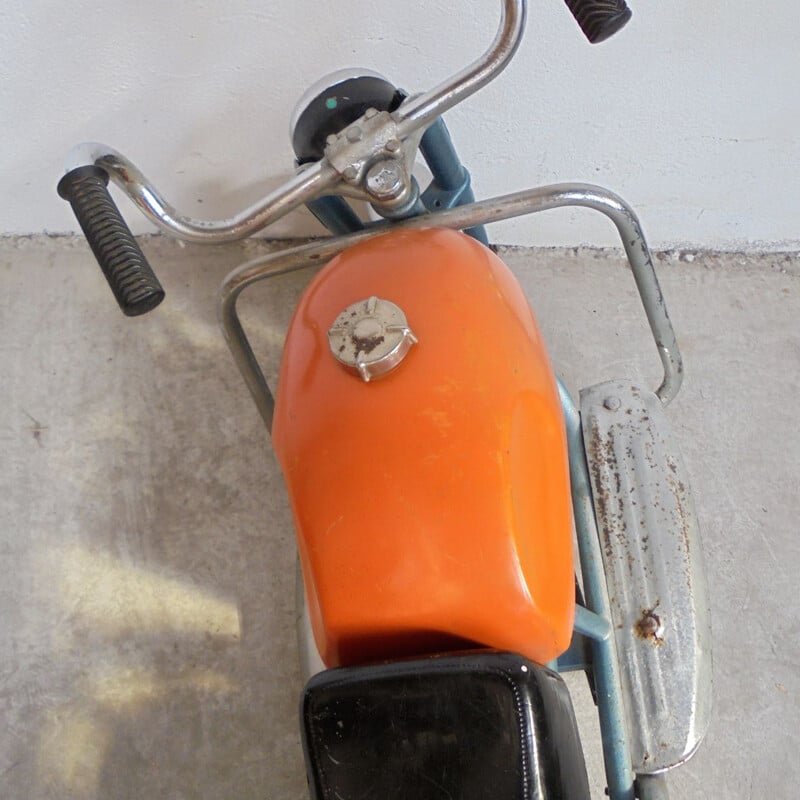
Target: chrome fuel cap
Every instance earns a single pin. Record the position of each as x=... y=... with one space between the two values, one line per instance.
x=371 y=337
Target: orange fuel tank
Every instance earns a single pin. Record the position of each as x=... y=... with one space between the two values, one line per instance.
x=432 y=504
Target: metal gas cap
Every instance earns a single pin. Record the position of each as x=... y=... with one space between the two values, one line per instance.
x=371 y=337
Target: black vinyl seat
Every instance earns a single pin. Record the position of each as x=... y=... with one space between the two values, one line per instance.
x=472 y=726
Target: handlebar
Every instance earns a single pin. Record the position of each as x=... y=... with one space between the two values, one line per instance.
x=131 y=278
x=416 y=113
x=296 y=191
x=598 y=19
x=419 y=112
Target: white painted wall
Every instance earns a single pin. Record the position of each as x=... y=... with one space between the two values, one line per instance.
x=691 y=113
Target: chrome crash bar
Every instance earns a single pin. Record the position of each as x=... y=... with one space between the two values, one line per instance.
x=459 y=218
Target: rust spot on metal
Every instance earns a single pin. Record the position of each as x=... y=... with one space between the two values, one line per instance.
x=649 y=627
x=680 y=494
x=601 y=457
x=366 y=344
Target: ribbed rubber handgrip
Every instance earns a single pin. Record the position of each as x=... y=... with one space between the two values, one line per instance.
x=126 y=269
x=599 y=19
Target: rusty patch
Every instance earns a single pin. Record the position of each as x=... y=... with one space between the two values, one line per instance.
x=649 y=627
x=681 y=496
x=673 y=466
x=601 y=455
x=366 y=344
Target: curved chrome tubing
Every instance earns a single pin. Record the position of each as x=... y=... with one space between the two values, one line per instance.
x=305 y=186
x=484 y=212
x=421 y=111
x=417 y=113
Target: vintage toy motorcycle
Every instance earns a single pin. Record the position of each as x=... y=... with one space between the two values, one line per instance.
x=436 y=467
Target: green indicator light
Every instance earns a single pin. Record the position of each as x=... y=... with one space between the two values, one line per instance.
x=331 y=103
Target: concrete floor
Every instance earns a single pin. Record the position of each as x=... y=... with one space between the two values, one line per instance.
x=146 y=556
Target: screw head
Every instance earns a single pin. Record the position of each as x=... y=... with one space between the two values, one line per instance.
x=612 y=403
x=350 y=173
x=330 y=139
x=386 y=180
x=393 y=145
x=354 y=134
x=371 y=112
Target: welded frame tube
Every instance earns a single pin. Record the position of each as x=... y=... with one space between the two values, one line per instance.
x=616 y=752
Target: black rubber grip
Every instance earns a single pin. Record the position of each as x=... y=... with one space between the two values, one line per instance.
x=126 y=269
x=599 y=19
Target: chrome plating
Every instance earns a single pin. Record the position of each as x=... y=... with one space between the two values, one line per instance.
x=387 y=180
x=419 y=112
x=304 y=186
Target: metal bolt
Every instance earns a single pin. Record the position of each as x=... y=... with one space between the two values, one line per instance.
x=385 y=180
x=612 y=403
x=331 y=139
x=350 y=173
x=649 y=624
x=650 y=627
x=371 y=112
x=354 y=134
x=393 y=145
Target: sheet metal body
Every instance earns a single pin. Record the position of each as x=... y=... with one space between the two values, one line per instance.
x=432 y=503
x=654 y=572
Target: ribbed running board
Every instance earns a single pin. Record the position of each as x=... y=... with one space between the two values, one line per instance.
x=654 y=572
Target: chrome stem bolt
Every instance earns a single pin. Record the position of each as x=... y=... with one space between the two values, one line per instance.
x=393 y=145
x=386 y=180
x=371 y=338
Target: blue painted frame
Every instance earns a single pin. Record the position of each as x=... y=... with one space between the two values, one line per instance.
x=451 y=186
x=593 y=620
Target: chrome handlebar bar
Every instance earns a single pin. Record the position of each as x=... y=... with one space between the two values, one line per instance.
x=415 y=114
x=296 y=191
x=421 y=111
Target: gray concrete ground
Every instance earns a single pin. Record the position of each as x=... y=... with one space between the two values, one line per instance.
x=146 y=556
